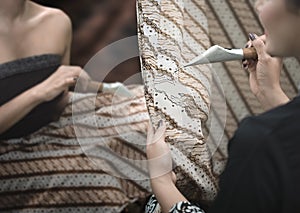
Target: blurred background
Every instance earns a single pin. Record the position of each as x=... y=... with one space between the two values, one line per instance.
x=96 y=24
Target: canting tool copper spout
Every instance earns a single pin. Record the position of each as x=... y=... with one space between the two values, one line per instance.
x=219 y=54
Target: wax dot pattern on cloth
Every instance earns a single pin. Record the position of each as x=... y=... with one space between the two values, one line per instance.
x=170 y=34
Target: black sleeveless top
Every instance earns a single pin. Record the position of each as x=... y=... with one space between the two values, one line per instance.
x=22 y=74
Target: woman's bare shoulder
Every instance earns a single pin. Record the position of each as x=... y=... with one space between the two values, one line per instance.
x=45 y=22
x=50 y=17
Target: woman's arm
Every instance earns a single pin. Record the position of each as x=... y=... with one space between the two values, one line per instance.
x=17 y=108
x=160 y=168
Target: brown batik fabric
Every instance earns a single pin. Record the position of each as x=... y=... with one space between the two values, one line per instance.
x=172 y=33
x=91 y=160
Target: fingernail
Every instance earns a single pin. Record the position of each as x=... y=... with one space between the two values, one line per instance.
x=245 y=66
x=160 y=123
x=252 y=36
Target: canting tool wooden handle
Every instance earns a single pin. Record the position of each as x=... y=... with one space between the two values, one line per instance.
x=250 y=53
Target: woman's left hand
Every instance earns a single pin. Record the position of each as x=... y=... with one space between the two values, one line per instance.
x=159 y=155
x=160 y=168
x=83 y=82
x=264 y=75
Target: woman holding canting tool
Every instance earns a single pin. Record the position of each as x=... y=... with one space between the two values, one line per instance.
x=264 y=162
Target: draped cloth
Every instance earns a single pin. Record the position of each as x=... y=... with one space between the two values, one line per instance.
x=52 y=170
x=80 y=160
x=172 y=33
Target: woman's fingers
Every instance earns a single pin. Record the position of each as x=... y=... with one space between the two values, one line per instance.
x=252 y=65
x=159 y=135
x=156 y=140
x=62 y=79
x=263 y=38
x=245 y=62
x=174 y=178
x=150 y=133
x=70 y=81
x=249 y=44
x=83 y=80
x=259 y=44
x=76 y=72
x=158 y=152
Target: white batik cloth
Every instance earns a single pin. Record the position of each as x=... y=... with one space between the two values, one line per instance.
x=172 y=33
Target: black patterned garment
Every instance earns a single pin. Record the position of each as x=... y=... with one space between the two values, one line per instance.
x=181 y=207
x=152 y=206
x=186 y=207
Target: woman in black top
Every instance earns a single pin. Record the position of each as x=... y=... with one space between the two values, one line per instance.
x=44 y=126
x=35 y=70
x=263 y=169
x=26 y=35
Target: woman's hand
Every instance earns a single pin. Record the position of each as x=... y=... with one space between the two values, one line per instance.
x=160 y=168
x=63 y=78
x=159 y=155
x=264 y=75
